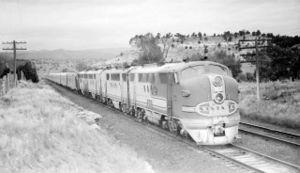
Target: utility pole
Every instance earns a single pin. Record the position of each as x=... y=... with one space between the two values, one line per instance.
x=258 y=44
x=257 y=71
x=14 y=49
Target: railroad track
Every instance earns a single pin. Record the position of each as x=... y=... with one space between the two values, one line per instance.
x=243 y=159
x=254 y=160
x=236 y=157
x=273 y=134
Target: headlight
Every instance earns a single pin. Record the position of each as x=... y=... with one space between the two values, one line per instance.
x=219 y=98
x=218 y=81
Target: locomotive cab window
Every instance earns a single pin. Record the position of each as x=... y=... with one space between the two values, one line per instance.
x=131 y=77
x=217 y=69
x=163 y=77
x=152 y=78
x=143 y=77
x=115 y=77
x=124 y=77
x=192 y=72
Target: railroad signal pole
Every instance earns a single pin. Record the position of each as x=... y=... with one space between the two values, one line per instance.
x=14 y=48
x=258 y=44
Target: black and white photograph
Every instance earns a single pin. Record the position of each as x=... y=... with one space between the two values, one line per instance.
x=149 y=86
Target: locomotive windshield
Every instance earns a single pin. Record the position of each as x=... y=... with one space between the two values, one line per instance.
x=194 y=71
x=217 y=69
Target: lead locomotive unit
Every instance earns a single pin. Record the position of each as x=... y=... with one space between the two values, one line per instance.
x=196 y=99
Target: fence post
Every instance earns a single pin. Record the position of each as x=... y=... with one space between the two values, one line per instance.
x=7 y=83
x=2 y=87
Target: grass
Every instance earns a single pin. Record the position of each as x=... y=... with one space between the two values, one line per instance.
x=280 y=103
x=40 y=131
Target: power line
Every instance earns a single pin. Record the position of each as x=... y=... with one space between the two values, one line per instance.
x=259 y=43
x=14 y=48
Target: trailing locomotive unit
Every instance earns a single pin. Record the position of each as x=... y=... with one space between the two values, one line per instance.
x=199 y=99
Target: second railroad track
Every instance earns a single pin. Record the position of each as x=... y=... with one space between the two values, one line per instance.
x=271 y=133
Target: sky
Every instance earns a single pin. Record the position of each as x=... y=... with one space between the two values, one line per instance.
x=96 y=24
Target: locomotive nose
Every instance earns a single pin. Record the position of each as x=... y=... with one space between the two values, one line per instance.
x=209 y=108
x=210 y=95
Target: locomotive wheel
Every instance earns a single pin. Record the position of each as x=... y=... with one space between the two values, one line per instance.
x=172 y=125
x=146 y=120
x=121 y=107
x=132 y=112
x=140 y=115
x=110 y=103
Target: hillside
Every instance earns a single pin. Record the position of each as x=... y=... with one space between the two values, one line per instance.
x=41 y=131
x=64 y=60
x=61 y=54
x=193 y=47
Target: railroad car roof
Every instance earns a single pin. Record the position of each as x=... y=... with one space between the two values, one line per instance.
x=170 y=67
x=173 y=67
x=114 y=70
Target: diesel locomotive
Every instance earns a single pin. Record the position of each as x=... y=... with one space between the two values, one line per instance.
x=196 y=99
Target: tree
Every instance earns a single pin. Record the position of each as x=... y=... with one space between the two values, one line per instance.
x=157 y=36
x=65 y=70
x=283 y=64
x=242 y=32
x=180 y=37
x=258 y=33
x=200 y=35
x=227 y=36
x=236 y=35
x=227 y=60
x=196 y=57
x=29 y=71
x=148 y=45
x=81 y=66
x=205 y=49
x=167 y=42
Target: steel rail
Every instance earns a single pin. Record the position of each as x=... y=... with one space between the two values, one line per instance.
x=273 y=130
x=270 y=136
